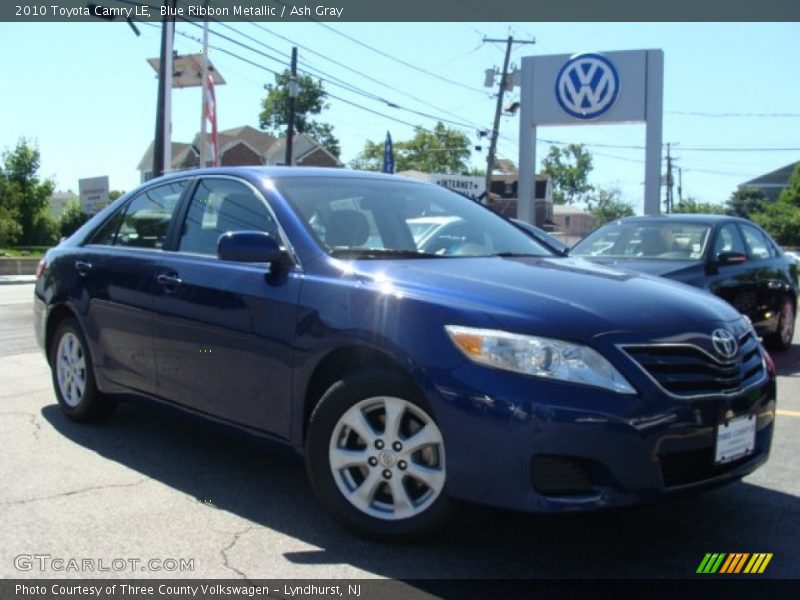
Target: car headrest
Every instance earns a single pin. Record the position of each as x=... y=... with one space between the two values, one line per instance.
x=346 y=228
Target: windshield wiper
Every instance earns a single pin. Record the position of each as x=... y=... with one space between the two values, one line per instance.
x=519 y=254
x=368 y=253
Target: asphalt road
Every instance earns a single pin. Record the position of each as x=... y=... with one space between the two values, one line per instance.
x=151 y=484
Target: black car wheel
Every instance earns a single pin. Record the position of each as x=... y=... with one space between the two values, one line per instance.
x=376 y=457
x=73 y=375
x=782 y=338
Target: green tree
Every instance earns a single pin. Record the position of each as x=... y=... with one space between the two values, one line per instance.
x=72 y=217
x=791 y=194
x=746 y=201
x=607 y=205
x=371 y=157
x=569 y=168
x=114 y=194
x=781 y=220
x=693 y=206
x=25 y=197
x=10 y=229
x=310 y=101
x=440 y=150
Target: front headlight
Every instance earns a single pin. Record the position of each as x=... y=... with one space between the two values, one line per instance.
x=538 y=356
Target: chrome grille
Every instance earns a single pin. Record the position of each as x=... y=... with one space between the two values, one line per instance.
x=687 y=370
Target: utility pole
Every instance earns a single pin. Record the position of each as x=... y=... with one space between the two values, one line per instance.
x=499 y=107
x=680 y=185
x=203 y=94
x=162 y=155
x=668 y=182
x=293 y=92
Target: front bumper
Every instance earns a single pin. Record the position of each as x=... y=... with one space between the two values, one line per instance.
x=542 y=446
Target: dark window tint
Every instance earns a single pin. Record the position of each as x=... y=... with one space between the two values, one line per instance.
x=108 y=232
x=219 y=206
x=147 y=217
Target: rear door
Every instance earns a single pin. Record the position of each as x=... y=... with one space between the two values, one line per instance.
x=116 y=271
x=768 y=275
x=225 y=330
x=736 y=282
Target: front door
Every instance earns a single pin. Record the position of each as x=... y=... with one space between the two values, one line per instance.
x=224 y=330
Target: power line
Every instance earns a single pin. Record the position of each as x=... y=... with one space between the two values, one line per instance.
x=392 y=57
x=335 y=81
x=356 y=71
x=692 y=113
x=268 y=70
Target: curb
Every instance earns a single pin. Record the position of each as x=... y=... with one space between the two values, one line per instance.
x=17 y=279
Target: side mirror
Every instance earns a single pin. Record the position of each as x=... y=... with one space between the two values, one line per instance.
x=251 y=246
x=724 y=259
x=731 y=258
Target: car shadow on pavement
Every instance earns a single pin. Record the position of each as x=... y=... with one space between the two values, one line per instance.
x=249 y=478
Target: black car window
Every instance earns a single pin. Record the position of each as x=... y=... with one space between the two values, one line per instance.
x=106 y=235
x=660 y=239
x=147 y=217
x=758 y=248
x=222 y=205
x=728 y=240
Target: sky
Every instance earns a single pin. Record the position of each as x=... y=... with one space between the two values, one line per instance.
x=85 y=94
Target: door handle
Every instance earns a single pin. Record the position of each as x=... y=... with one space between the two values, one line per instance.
x=168 y=280
x=83 y=268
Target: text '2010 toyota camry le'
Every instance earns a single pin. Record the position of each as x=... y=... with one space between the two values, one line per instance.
x=298 y=304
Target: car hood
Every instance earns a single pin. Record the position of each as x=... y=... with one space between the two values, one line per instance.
x=559 y=297
x=662 y=268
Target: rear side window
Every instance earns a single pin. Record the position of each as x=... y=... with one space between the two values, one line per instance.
x=219 y=206
x=147 y=217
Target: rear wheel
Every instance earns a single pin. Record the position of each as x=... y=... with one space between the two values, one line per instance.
x=376 y=457
x=73 y=375
x=782 y=338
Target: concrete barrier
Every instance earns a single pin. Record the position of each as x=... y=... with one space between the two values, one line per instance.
x=18 y=266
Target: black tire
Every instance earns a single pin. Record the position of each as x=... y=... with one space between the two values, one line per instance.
x=84 y=405
x=425 y=506
x=781 y=339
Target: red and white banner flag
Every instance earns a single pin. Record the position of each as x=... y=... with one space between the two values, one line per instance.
x=211 y=115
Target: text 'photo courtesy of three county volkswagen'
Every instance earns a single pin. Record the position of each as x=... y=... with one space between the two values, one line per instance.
x=297 y=304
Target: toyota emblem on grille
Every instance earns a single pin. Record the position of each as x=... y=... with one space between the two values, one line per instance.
x=724 y=343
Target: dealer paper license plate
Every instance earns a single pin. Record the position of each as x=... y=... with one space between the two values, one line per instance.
x=735 y=439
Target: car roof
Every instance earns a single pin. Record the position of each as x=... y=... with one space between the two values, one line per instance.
x=703 y=219
x=286 y=172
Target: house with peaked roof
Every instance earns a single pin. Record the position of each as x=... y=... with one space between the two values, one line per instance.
x=244 y=146
x=772 y=183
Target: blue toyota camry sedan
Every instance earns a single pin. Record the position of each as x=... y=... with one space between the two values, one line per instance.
x=296 y=304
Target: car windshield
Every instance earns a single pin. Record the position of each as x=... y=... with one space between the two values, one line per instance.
x=662 y=240
x=361 y=217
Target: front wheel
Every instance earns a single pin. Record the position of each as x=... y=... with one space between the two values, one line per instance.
x=782 y=338
x=376 y=457
x=73 y=375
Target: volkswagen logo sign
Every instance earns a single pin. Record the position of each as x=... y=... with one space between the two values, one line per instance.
x=724 y=343
x=587 y=86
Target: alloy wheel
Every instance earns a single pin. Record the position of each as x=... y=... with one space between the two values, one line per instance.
x=386 y=455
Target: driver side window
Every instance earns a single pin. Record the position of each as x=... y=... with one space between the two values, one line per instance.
x=728 y=240
x=219 y=206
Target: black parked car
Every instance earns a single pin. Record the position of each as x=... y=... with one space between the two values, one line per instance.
x=730 y=257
